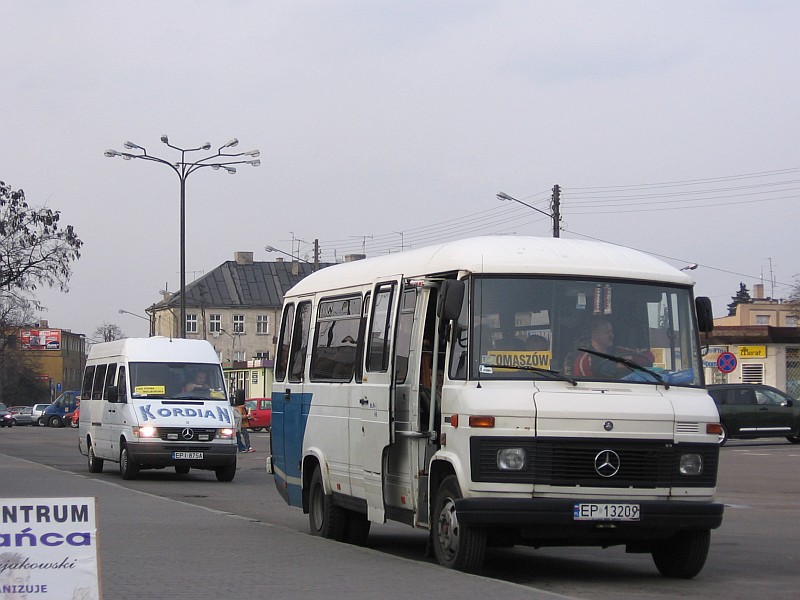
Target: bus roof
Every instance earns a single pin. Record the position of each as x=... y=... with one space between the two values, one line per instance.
x=156 y=349
x=499 y=254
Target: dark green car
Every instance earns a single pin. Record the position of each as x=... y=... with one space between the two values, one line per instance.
x=749 y=411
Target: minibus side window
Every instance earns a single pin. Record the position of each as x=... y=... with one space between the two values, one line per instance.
x=297 y=361
x=122 y=385
x=362 y=328
x=380 y=337
x=110 y=374
x=283 y=345
x=99 y=378
x=88 y=378
x=333 y=354
x=404 y=327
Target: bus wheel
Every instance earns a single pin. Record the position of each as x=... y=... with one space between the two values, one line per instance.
x=684 y=555
x=456 y=546
x=324 y=518
x=357 y=530
x=127 y=468
x=95 y=464
x=226 y=473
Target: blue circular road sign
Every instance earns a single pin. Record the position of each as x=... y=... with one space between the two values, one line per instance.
x=726 y=362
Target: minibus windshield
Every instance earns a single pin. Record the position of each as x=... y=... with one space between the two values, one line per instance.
x=176 y=380
x=581 y=330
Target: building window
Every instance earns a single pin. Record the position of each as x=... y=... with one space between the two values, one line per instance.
x=240 y=355
x=762 y=319
x=791 y=321
x=238 y=323
x=191 y=323
x=215 y=323
x=262 y=324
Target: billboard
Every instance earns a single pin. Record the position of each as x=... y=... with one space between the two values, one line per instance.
x=40 y=339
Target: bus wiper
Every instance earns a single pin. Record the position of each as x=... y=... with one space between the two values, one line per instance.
x=634 y=366
x=551 y=372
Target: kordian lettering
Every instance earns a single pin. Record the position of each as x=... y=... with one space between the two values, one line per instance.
x=46 y=513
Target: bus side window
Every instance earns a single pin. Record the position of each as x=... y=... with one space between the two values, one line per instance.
x=362 y=330
x=111 y=373
x=287 y=324
x=297 y=361
x=380 y=336
x=122 y=385
x=88 y=378
x=99 y=379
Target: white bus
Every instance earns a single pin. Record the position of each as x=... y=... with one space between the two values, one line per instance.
x=569 y=404
x=151 y=403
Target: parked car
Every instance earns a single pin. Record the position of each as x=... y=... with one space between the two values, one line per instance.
x=22 y=415
x=60 y=411
x=260 y=412
x=6 y=418
x=75 y=417
x=38 y=411
x=749 y=410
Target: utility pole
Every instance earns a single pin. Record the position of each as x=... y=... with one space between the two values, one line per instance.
x=316 y=254
x=556 y=207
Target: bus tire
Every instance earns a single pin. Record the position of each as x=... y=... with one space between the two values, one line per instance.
x=357 y=530
x=455 y=546
x=95 y=464
x=226 y=473
x=127 y=468
x=324 y=518
x=683 y=555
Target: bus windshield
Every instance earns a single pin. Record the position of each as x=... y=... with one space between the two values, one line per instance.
x=582 y=330
x=176 y=380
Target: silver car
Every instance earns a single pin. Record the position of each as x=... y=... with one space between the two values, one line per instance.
x=22 y=415
x=37 y=412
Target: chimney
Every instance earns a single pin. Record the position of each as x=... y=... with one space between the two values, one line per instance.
x=354 y=257
x=758 y=291
x=243 y=258
x=43 y=324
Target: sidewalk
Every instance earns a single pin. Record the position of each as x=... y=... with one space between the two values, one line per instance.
x=153 y=548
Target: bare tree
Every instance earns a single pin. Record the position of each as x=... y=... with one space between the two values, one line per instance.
x=34 y=248
x=108 y=332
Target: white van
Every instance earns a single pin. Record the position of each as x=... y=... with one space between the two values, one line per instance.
x=141 y=407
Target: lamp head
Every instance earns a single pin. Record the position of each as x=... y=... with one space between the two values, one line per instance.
x=111 y=153
x=206 y=146
x=165 y=139
x=255 y=162
x=503 y=196
x=233 y=142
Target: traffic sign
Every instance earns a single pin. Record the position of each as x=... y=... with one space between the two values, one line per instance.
x=726 y=362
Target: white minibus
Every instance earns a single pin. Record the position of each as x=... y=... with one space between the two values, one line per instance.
x=150 y=403
x=498 y=391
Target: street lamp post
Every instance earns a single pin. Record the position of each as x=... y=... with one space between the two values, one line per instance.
x=555 y=205
x=148 y=319
x=182 y=168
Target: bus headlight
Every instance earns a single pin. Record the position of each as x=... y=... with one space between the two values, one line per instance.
x=145 y=431
x=691 y=464
x=512 y=459
x=226 y=433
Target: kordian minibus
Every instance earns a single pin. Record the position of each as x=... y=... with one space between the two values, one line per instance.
x=500 y=391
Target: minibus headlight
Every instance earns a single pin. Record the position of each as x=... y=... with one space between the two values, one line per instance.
x=691 y=464
x=145 y=431
x=226 y=433
x=512 y=459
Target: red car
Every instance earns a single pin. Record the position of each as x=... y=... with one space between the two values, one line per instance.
x=260 y=413
x=73 y=419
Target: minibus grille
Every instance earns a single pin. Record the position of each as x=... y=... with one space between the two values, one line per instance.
x=187 y=434
x=571 y=462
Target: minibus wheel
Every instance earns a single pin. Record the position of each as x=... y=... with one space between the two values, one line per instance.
x=455 y=546
x=324 y=518
x=95 y=464
x=127 y=468
x=226 y=473
x=683 y=555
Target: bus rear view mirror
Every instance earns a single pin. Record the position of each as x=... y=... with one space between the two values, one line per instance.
x=451 y=296
x=705 y=314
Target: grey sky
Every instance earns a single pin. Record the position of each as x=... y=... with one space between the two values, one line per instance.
x=401 y=121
